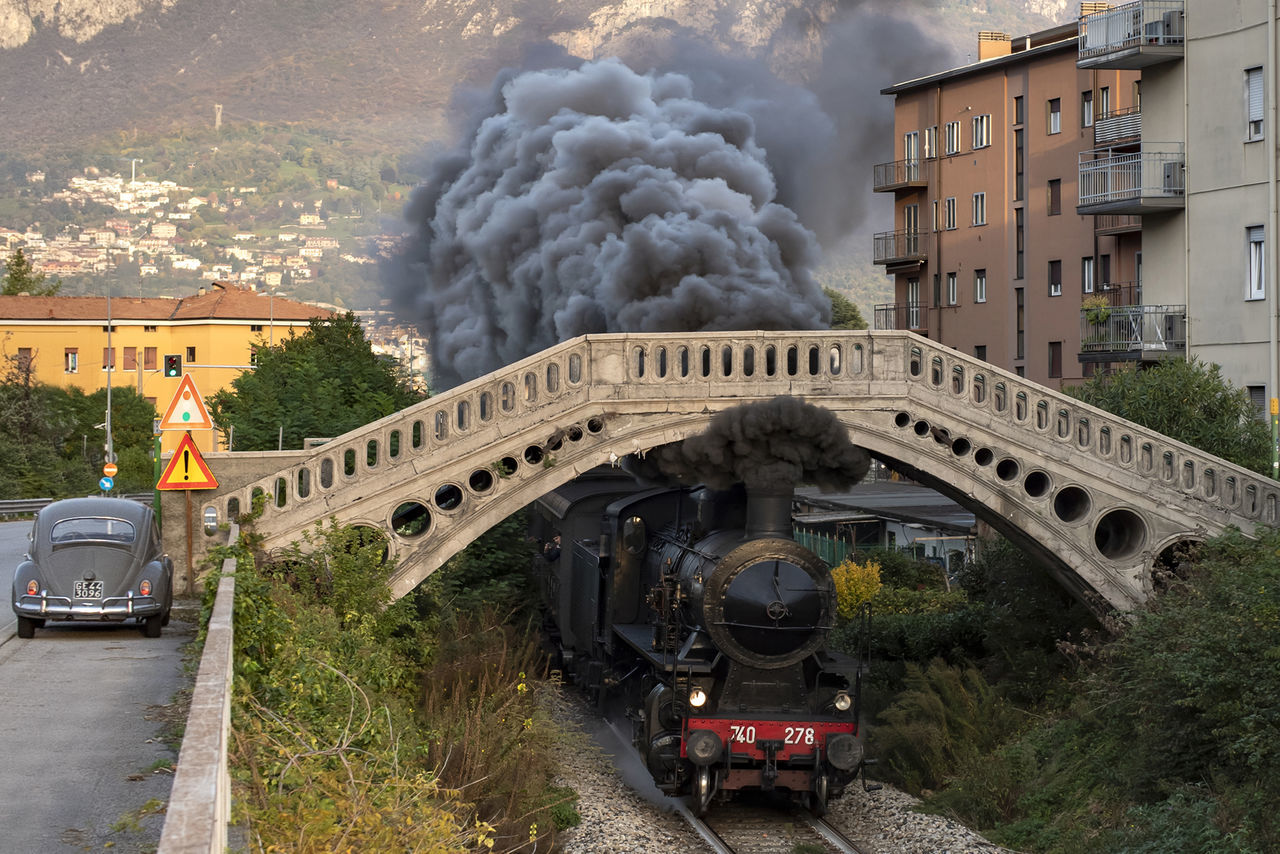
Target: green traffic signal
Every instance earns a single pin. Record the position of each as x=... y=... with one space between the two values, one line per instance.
x=173 y=366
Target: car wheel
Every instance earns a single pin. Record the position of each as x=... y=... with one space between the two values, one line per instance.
x=151 y=626
x=27 y=627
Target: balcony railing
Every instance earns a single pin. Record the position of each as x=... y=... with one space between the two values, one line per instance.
x=1134 y=35
x=1119 y=293
x=896 y=247
x=1134 y=182
x=900 y=174
x=1116 y=223
x=1117 y=126
x=908 y=315
x=1133 y=331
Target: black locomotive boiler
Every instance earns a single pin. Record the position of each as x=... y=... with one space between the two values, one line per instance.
x=697 y=611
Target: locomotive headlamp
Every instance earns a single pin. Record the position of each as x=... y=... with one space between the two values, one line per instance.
x=843 y=701
x=703 y=747
x=697 y=698
x=844 y=751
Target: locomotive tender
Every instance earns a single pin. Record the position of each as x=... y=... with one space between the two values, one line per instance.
x=699 y=612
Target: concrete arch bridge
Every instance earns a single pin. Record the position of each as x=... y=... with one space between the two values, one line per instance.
x=1100 y=499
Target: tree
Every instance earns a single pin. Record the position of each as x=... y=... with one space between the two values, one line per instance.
x=21 y=277
x=844 y=314
x=1190 y=401
x=324 y=382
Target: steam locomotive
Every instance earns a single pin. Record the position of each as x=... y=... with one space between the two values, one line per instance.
x=697 y=612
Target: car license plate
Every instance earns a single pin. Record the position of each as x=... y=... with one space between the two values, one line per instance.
x=88 y=590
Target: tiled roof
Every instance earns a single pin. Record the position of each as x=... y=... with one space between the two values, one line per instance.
x=222 y=302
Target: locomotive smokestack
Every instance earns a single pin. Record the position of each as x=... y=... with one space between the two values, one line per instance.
x=769 y=512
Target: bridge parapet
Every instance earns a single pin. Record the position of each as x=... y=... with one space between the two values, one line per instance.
x=1099 y=497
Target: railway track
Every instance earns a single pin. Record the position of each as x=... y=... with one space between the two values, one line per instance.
x=762 y=828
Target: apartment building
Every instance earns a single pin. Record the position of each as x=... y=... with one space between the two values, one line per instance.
x=66 y=342
x=1208 y=120
x=989 y=253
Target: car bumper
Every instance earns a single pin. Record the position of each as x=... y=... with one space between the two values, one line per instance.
x=46 y=607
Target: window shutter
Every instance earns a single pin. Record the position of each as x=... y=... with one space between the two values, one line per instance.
x=1255 y=94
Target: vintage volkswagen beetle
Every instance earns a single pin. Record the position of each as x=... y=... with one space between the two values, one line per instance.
x=94 y=559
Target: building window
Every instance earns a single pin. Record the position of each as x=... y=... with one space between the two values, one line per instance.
x=191 y=355
x=1104 y=271
x=1020 y=318
x=149 y=358
x=913 y=303
x=979 y=208
x=911 y=146
x=1055 y=359
x=1018 y=166
x=255 y=327
x=1253 y=98
x=130 y=358
x=108 y=358
x=953 y=297
x=1019 y=244
x=1055 y=278
x=953 y=138
x=949 y=213
x=1018 y=117
x=931 y=142
x=979 y=285
x=1086 y=275
x=1055 y=196
x=1257 y=257
x=1104 y=102
x=980 y=351
x=1086 y=108
x=937 y=223
x=1258 y=397
x=71 y=360
x=25 y=358
x=982 y=131
x=148 y=329
x=1055 y=115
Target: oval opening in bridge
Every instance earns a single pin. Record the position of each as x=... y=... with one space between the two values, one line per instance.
x=449 y=497
x=257 y=498
x=662 y=362
x=326 y=473
x=1020 y=407
x=481 y=480
x=815 y=360
x=902 y=419
x=979 y=388
x=210 y=517
x=1037 y=484
x=462 y=416
x=411 y=519
x=726 y=361
x=393 y=444
x=595 y=425
x=960 y=447
x=417 y=435
x=917 y=360
x=793 y=360
x=531 y=387
x=1174 y=564
x=574 y=433
x=1120 y=534
x=833 y=360
x=553 y=378
x=506 y=396
x=935 y=373
x=555 y=442
x=575 y=368
x=983 y=456
x=682 y=361
x=1071 y=504
x=748 y=361
x=1007 y=469
x=770 y=361
x=442 y=425
x=304 y=482
x=486 y=405
x=533 y=455
x=704 y=354
x=922 y=428
x=1042 y=415
x=1000 y=397
x=855 y=360
x=506 y=466
x=371 y=453
x=637 y=361
x=349 y=462
x=957 y=380
x=233 y=509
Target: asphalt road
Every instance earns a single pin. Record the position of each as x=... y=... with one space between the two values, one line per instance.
x=83 y=715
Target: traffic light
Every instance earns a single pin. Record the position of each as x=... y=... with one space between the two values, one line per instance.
x=173 y=366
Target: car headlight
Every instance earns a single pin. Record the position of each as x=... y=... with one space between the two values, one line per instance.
x=697 y=698
x=33 y=587
x=145 y=587
x=843 y=702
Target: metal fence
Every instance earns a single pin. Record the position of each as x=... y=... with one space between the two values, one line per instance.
x=29 y=506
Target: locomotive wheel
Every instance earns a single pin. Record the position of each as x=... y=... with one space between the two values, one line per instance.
x=818 y=797
x=702 y=791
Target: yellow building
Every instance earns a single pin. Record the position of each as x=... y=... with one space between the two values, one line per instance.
x=65 y=340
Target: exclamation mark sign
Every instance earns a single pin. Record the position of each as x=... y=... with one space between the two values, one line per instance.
x=186 y=464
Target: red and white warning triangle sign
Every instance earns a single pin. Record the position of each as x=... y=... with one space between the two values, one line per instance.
x=187 y=469
x=186 y=411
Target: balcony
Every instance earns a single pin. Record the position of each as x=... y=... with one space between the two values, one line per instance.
x=900 y=175
x=903 y=315
x=1117 y=128
x=1117 y=294
x=1132 y=333
x=1116 y=224
x=1133 y=182
x=898 y=247
x=1134 y=35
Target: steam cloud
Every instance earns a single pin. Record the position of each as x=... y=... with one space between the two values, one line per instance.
x=778 y=442
x=597 y=200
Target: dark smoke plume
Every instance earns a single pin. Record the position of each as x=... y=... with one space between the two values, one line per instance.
x=599 y=200
x=775 y=443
